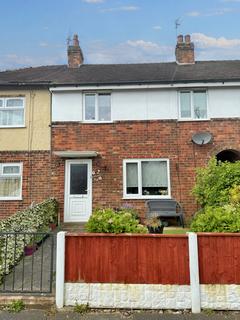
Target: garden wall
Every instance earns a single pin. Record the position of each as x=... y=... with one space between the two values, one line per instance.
x=149 y=271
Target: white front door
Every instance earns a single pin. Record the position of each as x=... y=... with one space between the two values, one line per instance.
x=78 y=190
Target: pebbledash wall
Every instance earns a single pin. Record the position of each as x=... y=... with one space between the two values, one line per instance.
x=149 y=271
x=141 y=139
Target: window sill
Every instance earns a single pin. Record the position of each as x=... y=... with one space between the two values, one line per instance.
x=12 y=127
x=96 y=122
x=197 y=120
x=11 y=199
x=145 y=197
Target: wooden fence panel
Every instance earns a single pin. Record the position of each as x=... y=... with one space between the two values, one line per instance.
x=219 y=258
x=149 y=259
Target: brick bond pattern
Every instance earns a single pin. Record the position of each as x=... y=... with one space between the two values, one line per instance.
x=36 y=184
x=43 y=173
x=141 y=139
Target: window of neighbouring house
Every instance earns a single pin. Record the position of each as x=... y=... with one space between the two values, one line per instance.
x=10 y=181
x=146 y=178
x=97 y=107
x=12 y=112
x=193 y=105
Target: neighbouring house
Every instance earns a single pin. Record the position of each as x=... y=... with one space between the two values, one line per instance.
x=25 y=160
x=125 y=133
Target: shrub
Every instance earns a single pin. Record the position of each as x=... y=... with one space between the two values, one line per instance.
x=217 y=219
x=111 y=221
x=214 y=182
x=35 y=219
x=234 y=195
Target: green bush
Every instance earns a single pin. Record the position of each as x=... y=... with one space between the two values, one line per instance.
x=217 y=219
x=214 y=182
x=111 y=221
x=234 y=195
x=34 y=219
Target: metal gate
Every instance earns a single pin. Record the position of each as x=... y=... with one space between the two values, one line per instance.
x=27 y=262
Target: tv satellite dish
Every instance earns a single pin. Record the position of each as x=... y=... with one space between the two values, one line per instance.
x=202 y=138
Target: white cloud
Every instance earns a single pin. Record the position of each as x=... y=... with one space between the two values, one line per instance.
x=43 y=44
x=123 y=8
x=211 y=48
x=131 y=51
x=146 y=45
x=193 y=14
x=230 y=1
x=211 y=13
x=219 y=12
x=93 y=1
x=15 y=61
x=204 y=41
x=157 y=28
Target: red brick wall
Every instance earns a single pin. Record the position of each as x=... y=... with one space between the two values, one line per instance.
x=36 y=179
x=141 y=139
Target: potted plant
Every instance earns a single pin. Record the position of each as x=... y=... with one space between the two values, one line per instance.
x=154 y=225
x=30 y=248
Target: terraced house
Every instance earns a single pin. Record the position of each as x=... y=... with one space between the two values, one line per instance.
x=120 y=134
x=24 y=142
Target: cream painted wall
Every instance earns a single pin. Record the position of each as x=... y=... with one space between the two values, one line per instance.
x=36 y=133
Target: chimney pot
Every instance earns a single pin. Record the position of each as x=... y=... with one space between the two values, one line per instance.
x=184 y=50
x=75 y=55
x=180 y=39
x=188 y=38
x=75 y=41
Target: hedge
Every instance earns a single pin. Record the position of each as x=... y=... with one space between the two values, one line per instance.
x=33 y=219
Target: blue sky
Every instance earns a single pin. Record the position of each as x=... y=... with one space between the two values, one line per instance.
x=34 y=32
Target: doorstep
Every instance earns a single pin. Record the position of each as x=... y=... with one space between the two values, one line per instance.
x=73 y=227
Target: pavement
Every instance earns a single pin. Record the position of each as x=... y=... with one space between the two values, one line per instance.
x=138 y=315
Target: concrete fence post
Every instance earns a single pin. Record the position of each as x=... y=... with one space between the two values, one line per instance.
x=60 y=269
x=194 y=272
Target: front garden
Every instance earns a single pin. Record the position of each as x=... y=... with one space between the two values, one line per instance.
x=23 y=230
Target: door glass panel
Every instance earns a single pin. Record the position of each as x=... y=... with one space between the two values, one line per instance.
x=79 y=178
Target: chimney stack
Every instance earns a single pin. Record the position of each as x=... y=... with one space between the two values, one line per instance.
x=75 y=55
x=184 y=50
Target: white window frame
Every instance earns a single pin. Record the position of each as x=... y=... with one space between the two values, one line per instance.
x=139 y=195
x=4 y=107
x=10 y=164
x=191 y=91
x=96 y=94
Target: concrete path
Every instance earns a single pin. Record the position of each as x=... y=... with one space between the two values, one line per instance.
x=64 y=315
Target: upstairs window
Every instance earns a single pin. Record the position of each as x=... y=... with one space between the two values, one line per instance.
x=193 y=105
x=97 y=107
x=146 y=178
x=11 y=112
x=10 y=181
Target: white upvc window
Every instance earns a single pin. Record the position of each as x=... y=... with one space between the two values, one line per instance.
x=146 y=178
x=193 y=105
x=10 y=181
x=12 y=112
x=97 y=107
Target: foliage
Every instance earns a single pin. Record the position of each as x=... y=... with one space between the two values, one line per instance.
x=214 y=182
x=234 y=195
x=153 y=222
x=112 y=221
x=217 y=219
x=15 y=306
x=81 y=308
x=34 y=219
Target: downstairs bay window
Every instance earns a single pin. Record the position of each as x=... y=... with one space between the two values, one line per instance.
x=10 y=181
x=146 y=178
